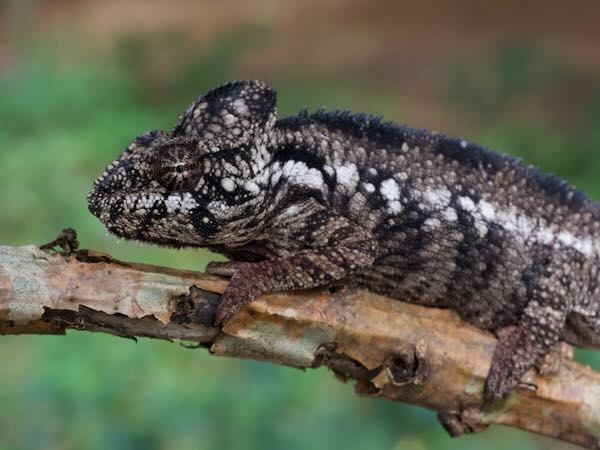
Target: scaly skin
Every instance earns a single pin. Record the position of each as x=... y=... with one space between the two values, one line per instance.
x=334 y=198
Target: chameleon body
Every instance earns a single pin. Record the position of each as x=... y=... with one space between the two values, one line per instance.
x=339 y=198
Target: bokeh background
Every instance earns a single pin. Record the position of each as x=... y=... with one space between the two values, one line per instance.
x=80 y=79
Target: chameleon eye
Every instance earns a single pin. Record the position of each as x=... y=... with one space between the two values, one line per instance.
x=176 y=167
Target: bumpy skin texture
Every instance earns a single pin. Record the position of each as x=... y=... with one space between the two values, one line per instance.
x=335 y=198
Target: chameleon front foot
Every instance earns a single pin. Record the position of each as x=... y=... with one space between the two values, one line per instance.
x=242 y=288
x=229 y=305
x=519 y=348
x=245 y=285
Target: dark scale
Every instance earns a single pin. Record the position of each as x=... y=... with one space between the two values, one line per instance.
x=334 y=197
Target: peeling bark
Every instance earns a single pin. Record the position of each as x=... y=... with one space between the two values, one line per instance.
x=391 y=349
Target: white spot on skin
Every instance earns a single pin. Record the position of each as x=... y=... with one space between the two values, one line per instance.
x=347 y=176
x=180 y=202
x=583 y=245
x=390 y=190
x=369 y=187
x=487 y=210
x=292 y=210
x=449 y=214
x=463 y=143
x=439 y=198
x=566 y=238
x=275 y=177
x=522 y=226
x=297 y=172
x=220 y=209
x=313 y=178
x=252 y=187
x=228 y=184
x=230 y=168
x=466 y=203
x=395 y=206
x=329 y=170
x=545 y=236
x=433 y=222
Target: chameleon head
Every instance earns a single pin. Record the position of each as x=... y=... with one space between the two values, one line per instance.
x=184 y=188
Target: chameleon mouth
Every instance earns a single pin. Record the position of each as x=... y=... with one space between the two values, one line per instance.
x=150 y=213
x=133 y=205
x=121 y=197
x=126 y=214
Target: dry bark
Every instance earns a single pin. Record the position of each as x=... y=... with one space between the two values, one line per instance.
x=391 y=349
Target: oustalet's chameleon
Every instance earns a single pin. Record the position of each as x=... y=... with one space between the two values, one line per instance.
x=339 y=198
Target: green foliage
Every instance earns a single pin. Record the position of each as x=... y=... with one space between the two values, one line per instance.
x=60 y=124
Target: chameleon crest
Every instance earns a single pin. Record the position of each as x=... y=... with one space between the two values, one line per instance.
x=339 y=198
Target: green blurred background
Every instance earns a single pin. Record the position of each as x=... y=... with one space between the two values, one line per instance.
x=80 y=79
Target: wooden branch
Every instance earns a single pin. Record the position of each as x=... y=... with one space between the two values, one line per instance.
x=393 y=350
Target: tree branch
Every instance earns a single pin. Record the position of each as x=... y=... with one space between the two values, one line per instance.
x=391 y=349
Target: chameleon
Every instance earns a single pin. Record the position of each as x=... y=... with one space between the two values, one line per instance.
x=338 y=198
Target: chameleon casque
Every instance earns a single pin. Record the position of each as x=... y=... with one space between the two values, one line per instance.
x=339 y=198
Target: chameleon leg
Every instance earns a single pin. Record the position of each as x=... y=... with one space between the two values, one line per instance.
x=339 y=247
x=522 y=345
x=519 y=348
